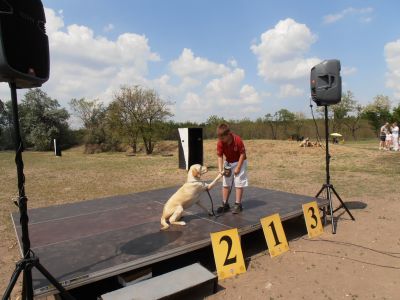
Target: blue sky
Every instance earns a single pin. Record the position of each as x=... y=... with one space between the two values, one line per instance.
x=227 y=68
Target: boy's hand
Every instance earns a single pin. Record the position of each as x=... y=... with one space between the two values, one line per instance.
x=237 y=171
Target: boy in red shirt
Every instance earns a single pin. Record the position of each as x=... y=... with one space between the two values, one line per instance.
x=232 y=148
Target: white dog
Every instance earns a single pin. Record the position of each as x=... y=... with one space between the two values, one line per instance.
x=186 y=196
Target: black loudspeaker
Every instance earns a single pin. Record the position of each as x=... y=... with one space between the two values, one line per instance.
x=24 y=45
x=326 y=82
x=190 y=147
x=57 y=147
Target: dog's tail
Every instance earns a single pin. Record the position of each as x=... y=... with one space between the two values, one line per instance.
x=164 y=223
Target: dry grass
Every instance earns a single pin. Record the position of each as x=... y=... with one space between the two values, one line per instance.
x=359 y=171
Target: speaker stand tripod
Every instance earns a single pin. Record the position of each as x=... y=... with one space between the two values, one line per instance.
x=328 y=187
x=29 y=260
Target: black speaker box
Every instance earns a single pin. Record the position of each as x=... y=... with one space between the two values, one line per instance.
x=190 y=147
x=326 y=82
x=24 y=45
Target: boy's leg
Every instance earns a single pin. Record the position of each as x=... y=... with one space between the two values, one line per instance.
x=239 y=194
x=238 y=203
x=225 y=193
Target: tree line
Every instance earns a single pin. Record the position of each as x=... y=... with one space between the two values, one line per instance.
x=138 y=117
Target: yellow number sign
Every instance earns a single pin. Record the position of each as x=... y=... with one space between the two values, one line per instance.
x=313 y=219
x=275 y=235
x=228 y=254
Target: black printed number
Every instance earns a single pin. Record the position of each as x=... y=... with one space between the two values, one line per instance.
x=277 y=242
x=228 y=240
x=313 y=216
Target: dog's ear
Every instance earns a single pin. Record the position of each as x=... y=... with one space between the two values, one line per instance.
x=195 y=172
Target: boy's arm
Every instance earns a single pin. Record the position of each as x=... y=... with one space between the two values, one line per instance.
x=240 y=163
x=220 y=164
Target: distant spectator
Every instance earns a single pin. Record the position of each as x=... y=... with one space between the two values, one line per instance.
x=388 y=142
x=395 y=136
x=382 y=136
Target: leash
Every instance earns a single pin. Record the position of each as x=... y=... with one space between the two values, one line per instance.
x=212 y=204
x=230 y=188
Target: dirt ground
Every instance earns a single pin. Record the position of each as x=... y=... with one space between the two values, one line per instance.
x=362 y=261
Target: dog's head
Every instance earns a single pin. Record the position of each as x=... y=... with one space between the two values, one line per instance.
x=196 y=171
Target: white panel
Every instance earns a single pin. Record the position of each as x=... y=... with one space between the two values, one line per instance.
x=184 y=136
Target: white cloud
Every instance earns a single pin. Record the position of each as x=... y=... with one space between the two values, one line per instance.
x=283 y=58
x=281 y=51
x=348 y=70
x=364 y=15
x=392 y=57
x=86 y=65
x=109 y=27
x=289 y=90
x=227 y=90
x=225 y=96
x=190 y=65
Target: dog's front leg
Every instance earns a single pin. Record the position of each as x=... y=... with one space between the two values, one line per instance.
x=211 y=185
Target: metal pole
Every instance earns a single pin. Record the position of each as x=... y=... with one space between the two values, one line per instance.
x=328 y=157
x=22 y=199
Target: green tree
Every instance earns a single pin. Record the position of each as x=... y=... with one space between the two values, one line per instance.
x=92 y=114
x=352 y=122
x=285 y=118
x=378 y=112
x=299 y=120
x=42 y=119
x=123 y=122
x=146 y=110
x=272 y=122
x=6 y=134
x=396 y=114
x=341 y=110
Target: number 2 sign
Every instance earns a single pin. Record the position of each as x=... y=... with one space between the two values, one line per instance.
x=313 y=219
x=228 y=254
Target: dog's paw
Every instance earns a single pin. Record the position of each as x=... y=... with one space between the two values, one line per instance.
x=181 y=223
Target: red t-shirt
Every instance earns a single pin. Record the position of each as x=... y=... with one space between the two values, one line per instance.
x=233 y=150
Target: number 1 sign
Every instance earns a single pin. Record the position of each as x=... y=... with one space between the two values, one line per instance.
x=228 y=254
x=274 y=234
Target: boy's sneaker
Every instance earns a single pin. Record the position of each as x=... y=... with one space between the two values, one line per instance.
x=223 y=208
x=237 y=208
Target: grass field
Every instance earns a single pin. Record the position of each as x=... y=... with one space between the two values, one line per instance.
x=359 y=171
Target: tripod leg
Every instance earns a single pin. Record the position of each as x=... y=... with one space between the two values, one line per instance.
x=53 y=281
x=343 y=205
x=329 y=195
x=27 y=284
x=324 y=215
x=320 y=191
x=14 y=277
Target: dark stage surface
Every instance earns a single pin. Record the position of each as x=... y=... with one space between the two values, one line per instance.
x=88 y=241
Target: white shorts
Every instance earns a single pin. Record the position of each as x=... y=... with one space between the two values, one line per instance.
x=240 y=180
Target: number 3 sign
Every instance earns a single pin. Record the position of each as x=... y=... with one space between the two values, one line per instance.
x=228 y=254
x=313 y=219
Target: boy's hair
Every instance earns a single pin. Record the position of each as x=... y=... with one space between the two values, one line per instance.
x=223 y=130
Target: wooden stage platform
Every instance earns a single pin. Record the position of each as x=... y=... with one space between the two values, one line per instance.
x=85 y=242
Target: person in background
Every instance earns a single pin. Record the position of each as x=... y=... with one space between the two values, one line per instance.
x=382 y=136
x=230 y=146
x=388 y=138
x=395 y=136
